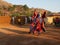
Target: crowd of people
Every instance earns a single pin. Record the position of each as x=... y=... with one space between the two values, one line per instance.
x=37 y=22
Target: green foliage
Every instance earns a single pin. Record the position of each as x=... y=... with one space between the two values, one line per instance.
x=11 y=8
x=29 y=14
x=25 y=7
x=15 y=14
x=14 y=6
x=49 y=12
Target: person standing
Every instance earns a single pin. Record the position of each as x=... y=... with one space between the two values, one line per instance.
x=13 y=20
x=42 y=25
x=25 y=20
x=33 y=21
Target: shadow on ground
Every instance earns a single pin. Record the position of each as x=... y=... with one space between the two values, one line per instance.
x=22 y=26
x=25 y=40
x=6 y=39
x=16 y=31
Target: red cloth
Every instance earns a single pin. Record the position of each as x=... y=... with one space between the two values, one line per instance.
x=38 y=25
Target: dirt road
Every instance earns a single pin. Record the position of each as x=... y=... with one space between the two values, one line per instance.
x=18 y=35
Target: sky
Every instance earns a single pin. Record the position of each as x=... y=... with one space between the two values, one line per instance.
x=51 y=5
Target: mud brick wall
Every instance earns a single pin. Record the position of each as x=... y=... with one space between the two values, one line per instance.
x=5 y=19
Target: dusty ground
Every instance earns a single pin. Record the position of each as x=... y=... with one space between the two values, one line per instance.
x=18 y=35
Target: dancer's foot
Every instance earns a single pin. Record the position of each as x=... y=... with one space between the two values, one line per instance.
x=29 y=32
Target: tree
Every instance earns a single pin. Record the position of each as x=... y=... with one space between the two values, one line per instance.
x=49 y=12
x=25 y=7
